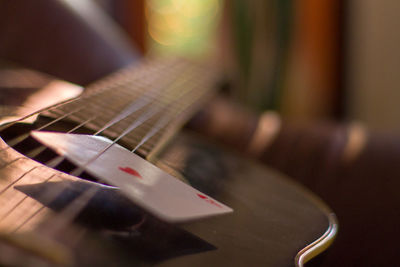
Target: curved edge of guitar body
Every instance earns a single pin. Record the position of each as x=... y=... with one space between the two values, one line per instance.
x=321 y=244
x=276 y=221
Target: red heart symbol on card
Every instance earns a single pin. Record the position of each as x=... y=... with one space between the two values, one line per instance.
x=210 y=201
x=130 y=171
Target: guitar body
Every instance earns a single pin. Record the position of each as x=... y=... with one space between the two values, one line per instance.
x=276 y=222
x=274 y=218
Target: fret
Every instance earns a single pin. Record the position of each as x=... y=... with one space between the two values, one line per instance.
x=168 y=86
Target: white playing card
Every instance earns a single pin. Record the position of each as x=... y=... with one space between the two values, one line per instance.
x=145 y=184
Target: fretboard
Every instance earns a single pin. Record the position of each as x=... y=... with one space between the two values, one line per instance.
x=154 y=97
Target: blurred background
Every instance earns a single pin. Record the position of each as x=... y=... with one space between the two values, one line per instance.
x=312 y=61
x=308 y=59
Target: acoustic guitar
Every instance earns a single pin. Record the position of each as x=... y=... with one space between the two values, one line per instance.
x=55 y=212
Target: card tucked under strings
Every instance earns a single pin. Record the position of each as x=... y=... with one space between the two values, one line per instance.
x=145 y=184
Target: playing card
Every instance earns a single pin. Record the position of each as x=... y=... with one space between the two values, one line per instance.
x=145 y=184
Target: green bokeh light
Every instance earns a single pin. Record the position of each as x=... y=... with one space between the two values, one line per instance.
x=182 y=26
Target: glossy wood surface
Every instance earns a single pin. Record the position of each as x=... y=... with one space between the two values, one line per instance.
x=273 y=219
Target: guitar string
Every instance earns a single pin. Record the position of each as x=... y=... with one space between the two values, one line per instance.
x=139 y=103
x=130 y=73
x=28 y=219
x=55 y=106
x=21 y=177
x=7 y=213
x=125 y=113
x=122 y=115
x=8 y=163
x=76 y=127
x=144 y=117
x=73 y=209
x=144 y=99
x=31 y=154
x=8 y=186
x=45 y=196
x=64 y=218
x=147 y=135
x=13 y=142
x=36 y=152
x=45 y=109
x=92 y=93
x=69 y=213
x=158 y=126
x=42 y=128
x=40 y=149
x=44 y=147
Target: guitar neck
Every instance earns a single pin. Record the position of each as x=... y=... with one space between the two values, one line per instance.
x=154 y=98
